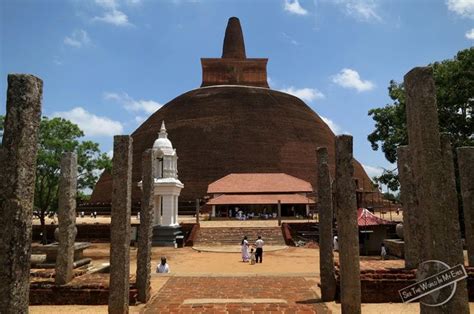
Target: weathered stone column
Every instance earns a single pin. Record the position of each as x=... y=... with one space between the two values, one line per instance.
x=17 y=187
x=67 y=218
x=119 y=284
x=348 y=230
x=466 y=173
x=145 y=231
x=279 y=212
x=326 y=256
x=197 y=210
x=434 y=178
x=412 y=221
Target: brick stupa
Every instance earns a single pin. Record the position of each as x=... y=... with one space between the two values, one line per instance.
x=234 y=123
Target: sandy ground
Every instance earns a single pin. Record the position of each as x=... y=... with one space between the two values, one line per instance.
x=188 y=262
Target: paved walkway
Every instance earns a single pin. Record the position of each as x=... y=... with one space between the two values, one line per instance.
x=235 y=248
x=237 y=295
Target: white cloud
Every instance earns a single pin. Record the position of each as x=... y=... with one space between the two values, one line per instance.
x=140 y=119
x=470 y=34
x=464 y=8
x=373 y=171
x=91 y=124
x=362 y=10
x=148 y=106
x=335 y=128
x=77 y=39
x=349 y=78
x=293 y=6
x=306 y=94
x=114 y=17
x=107 y=4
x=290 y=39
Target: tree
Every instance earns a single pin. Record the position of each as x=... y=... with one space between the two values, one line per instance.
x=454 y=79
x=57 y=136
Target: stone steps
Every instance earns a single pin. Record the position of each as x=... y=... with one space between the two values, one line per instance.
x=233 y=236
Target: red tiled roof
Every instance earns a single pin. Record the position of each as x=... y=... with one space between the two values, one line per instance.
x=263 y=199
x=259 y=183
x=366 y=218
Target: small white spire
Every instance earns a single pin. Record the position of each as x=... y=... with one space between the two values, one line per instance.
x=163 y=133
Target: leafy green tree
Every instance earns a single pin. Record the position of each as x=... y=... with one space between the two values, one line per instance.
x=57 y=136
x=454 y=79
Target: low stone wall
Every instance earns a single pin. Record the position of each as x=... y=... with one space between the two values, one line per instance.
x=395 y=247
x=285 y=229
x=382 y=285
x=91 y=289
x=190 y=233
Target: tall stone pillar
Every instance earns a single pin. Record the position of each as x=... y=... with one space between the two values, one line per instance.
x=466 y=173
x=17 y=187
x=326 y=256
x=145 y=231
x=119 y=284
x=433 y=172
x=348 y=230
x=67 y=218
x=412 y=221
x=197 y=210
x=157 y=216
x=279 y=212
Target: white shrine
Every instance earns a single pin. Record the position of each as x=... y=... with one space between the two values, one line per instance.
x=167 y=188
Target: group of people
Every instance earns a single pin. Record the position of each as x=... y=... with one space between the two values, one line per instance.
x=254 y=256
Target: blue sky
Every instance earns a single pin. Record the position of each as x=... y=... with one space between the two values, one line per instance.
x=109 y=64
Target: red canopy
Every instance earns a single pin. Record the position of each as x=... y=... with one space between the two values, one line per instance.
x=366 y=218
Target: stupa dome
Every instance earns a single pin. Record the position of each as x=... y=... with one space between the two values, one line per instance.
x=162 y=142
x=234 y=123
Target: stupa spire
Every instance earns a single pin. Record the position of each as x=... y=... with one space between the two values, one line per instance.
x=234 y=46
x=163 y=133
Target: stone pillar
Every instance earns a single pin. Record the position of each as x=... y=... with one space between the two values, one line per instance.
x=67 y=218
x=347 y=227
x=412 y=221
x=157 y=210
x=145 y=231
x=17 y=187
x=167 y=208
x=307 y=210
x=119 y=284
x=434 y=179
x=197 y=210
x=279 y=212
x=466 y=174
x=213 y=211
x=326 y=256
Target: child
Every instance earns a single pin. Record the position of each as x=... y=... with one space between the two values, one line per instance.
x=252 y=257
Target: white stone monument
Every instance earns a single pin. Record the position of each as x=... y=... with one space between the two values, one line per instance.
x=167 y=188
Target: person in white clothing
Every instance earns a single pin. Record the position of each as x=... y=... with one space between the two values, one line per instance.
x=336 y=244
x=259 y=251
x=163 y=266
x=383 y=251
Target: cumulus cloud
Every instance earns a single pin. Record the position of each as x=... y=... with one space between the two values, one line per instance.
x=294 y=7
x=130 y=104
x=77 y=39
x=362 y=10
x=112 y=14
x=306 y=94
x=470 y=34
x=91 y=124
x=349 y=78
x=464 y=8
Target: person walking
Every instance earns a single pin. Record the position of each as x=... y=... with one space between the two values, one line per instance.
x=245 y=249
x=259 y=249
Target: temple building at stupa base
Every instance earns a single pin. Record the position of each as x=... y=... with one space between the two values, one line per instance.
x=234 y=123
